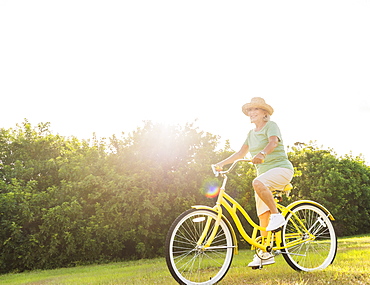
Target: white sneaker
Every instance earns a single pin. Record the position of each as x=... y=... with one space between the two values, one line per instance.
x=268 y=259
x=276 y=221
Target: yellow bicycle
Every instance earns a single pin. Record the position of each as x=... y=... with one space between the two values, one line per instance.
x=201 y=242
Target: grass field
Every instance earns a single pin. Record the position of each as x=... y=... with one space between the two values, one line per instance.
x=351 y=266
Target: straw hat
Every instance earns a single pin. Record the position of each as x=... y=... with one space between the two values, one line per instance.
x=257 y=102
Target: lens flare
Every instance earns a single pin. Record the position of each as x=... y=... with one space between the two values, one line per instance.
x=213 y=192
x=211 y=188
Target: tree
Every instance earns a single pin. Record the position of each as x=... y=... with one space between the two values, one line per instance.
x=340 y=184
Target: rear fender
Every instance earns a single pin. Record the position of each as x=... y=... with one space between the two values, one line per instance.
x=294 y=204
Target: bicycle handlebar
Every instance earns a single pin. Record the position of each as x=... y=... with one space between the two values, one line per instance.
x=222 y=172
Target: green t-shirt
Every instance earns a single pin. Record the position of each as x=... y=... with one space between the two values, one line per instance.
x=257 y=141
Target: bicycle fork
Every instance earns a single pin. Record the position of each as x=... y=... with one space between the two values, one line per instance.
x=201 y=242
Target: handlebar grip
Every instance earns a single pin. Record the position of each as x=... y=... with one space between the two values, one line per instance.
x=215 y=172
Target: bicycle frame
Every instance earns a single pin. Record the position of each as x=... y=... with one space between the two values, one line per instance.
x=232 y=207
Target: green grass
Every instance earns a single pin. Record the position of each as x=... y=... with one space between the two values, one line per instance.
x=351 y=266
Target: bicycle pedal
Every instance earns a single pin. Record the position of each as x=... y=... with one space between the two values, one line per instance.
x=256 y=267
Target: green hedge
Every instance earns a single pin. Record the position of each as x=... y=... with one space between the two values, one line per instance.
x=65 y=201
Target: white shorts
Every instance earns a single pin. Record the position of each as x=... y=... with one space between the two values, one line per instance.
x=276 y=178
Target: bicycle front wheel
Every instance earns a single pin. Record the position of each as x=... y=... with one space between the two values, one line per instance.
x=310 y=238
x=191 y=263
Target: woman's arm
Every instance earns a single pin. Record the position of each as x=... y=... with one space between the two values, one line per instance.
x=238 y=155
x=259 y=157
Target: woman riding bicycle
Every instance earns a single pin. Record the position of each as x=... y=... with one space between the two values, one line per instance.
x=274 y=170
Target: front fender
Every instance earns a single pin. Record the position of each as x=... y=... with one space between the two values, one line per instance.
x=201 y=207
x=296 y=203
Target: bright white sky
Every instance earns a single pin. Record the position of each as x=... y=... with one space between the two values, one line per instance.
x=105 y=66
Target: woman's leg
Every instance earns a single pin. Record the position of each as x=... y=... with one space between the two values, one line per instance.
x=268 y=258
x=276 y=220
x=266 y=196
x=264 y=221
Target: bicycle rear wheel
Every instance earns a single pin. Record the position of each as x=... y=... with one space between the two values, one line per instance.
x=311 y=238
x=193 y=264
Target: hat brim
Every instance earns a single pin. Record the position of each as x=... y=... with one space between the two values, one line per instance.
x=265 y=106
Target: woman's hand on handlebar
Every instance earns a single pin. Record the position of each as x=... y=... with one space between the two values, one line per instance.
x=216 y=169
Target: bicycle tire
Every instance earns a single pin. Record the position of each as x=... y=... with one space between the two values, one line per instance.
x=320 y=249
x=188 y=263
